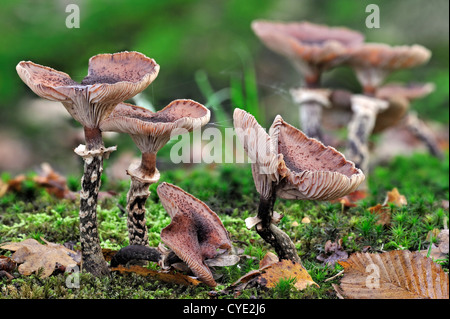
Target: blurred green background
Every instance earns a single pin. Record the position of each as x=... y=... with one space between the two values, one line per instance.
x=203 y=47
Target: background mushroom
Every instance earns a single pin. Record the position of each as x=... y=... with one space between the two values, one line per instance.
x=111 y=79
x=313 y=49
x=195 y=232
x=150 y=131
x=372 y=63
x=300 y=168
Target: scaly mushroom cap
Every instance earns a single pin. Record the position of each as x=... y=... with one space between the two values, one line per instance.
x=313 y=48
x=111 y=79
x=267 y=163
x=302 y=167
x=399 y=97
x=313 y=171
x=372 y=62
x=152 y=130
x=195 y=232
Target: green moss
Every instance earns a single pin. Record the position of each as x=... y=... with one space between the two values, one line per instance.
x=229 y=191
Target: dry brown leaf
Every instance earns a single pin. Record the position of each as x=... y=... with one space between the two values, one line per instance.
x=333 y=252
x=394 y=197
x=286 y=269
x=398 y=274
x=33 y=256
x=54 y=183
x=7 y=264
x=351 y=199
x=383 y=212
x=268 y=260
x=176 y=278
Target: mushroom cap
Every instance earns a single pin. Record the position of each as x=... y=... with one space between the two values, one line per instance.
x=311 y=47
x=410 y=91
x=372 y=62
x=301 y=167
x=195 y=232
x=111 y=79
x=267 y=163
x=152 y=130
x=313 y=170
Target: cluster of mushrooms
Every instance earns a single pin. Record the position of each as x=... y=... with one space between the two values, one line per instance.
x=286 y=163
x=314 y=49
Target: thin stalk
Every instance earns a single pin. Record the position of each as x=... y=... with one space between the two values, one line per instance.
x=91 y=251
x=279 y=240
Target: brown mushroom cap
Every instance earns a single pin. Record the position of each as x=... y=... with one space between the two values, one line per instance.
x=399 y=97
x=311 y=47
x=152 y=130
x=111 y=79
x=267 y=164
x=195 y=232
x=409 y=91
x=302 y=167
x=313 y=171
x=374 y=61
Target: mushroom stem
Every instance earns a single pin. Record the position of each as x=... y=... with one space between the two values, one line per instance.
x=423 y=132
x=142 y=177
x=365 y=111
x=310 y=117
x=310 y=103
x=91 y=252
x=92 y=154
x=136 y=222
x=279 y=240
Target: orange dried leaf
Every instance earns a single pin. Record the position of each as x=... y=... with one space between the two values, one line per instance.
x=286 y=269
x=383 y=212
x=398 y=274
x=176 y=278
x=394 y=197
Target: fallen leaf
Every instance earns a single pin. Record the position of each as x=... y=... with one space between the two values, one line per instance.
x=351 y=199
x=394 y=197
x=383 y=213
x=286 y=269
x=54 y=183
x=14 y=185
x=384 y=210
x=7 y=264
x=176 y=278
x=33 y=256
x=333 y=252
x=268 y=260
x=398 y=274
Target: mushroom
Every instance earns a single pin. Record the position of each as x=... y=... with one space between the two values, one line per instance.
x=313 y=49
x=195 y=232
x=399 y=97
x=372 y=63
x=150 y=131
x=111 y=79
x=288 y=164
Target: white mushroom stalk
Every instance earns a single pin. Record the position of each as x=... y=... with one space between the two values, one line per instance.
x=150 y=131
x=365 y=110
x=111 y=79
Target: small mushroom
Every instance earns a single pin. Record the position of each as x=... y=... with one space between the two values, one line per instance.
x=288 y=164
x=195 y=232
x=373 y=62
x=312 y=49
x=111 y=79
x=150 y=131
